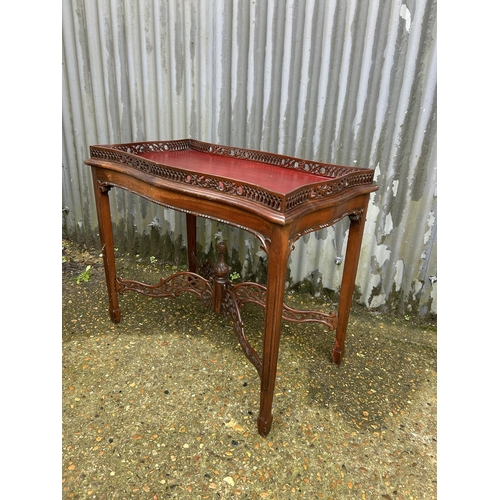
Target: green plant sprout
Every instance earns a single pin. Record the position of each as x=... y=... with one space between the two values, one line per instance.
x=85 y=276
x=153 y=259
x=234 y=276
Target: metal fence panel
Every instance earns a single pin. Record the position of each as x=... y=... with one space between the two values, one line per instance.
x=350 y=82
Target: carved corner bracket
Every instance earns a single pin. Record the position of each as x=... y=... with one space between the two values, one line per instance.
x=356 y=215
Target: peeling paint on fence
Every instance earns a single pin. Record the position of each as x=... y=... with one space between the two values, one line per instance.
x=349 y=82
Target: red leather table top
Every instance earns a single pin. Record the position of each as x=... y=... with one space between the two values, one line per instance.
x=277 y=179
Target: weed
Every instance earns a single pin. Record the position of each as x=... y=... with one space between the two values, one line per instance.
x=234 y=277
x=85 y=276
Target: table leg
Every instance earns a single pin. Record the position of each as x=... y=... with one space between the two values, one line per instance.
x=108 y=252
x=348 y=281
x=277 y=264
x=191 y=241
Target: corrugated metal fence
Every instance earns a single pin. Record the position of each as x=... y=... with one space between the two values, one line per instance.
x=351 y=82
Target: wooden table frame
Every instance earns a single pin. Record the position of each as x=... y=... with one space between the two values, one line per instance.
x=291 y=197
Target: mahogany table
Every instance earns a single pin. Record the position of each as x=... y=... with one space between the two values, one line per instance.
x=277 y=198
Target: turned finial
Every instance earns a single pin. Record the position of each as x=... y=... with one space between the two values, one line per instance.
x=221 y=268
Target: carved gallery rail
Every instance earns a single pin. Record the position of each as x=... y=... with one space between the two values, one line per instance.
x=275 y=197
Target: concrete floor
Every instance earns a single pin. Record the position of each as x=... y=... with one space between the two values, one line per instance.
x=164 y=404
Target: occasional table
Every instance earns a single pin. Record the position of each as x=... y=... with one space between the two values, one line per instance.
x=277 y=198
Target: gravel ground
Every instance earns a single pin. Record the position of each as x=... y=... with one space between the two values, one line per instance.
x=164 y=404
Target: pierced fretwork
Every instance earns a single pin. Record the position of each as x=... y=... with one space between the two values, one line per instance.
x=253 y=292
x=172 y=286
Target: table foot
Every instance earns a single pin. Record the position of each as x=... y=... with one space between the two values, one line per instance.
x=337 y=354
x=264 y=426
x=116 y=315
